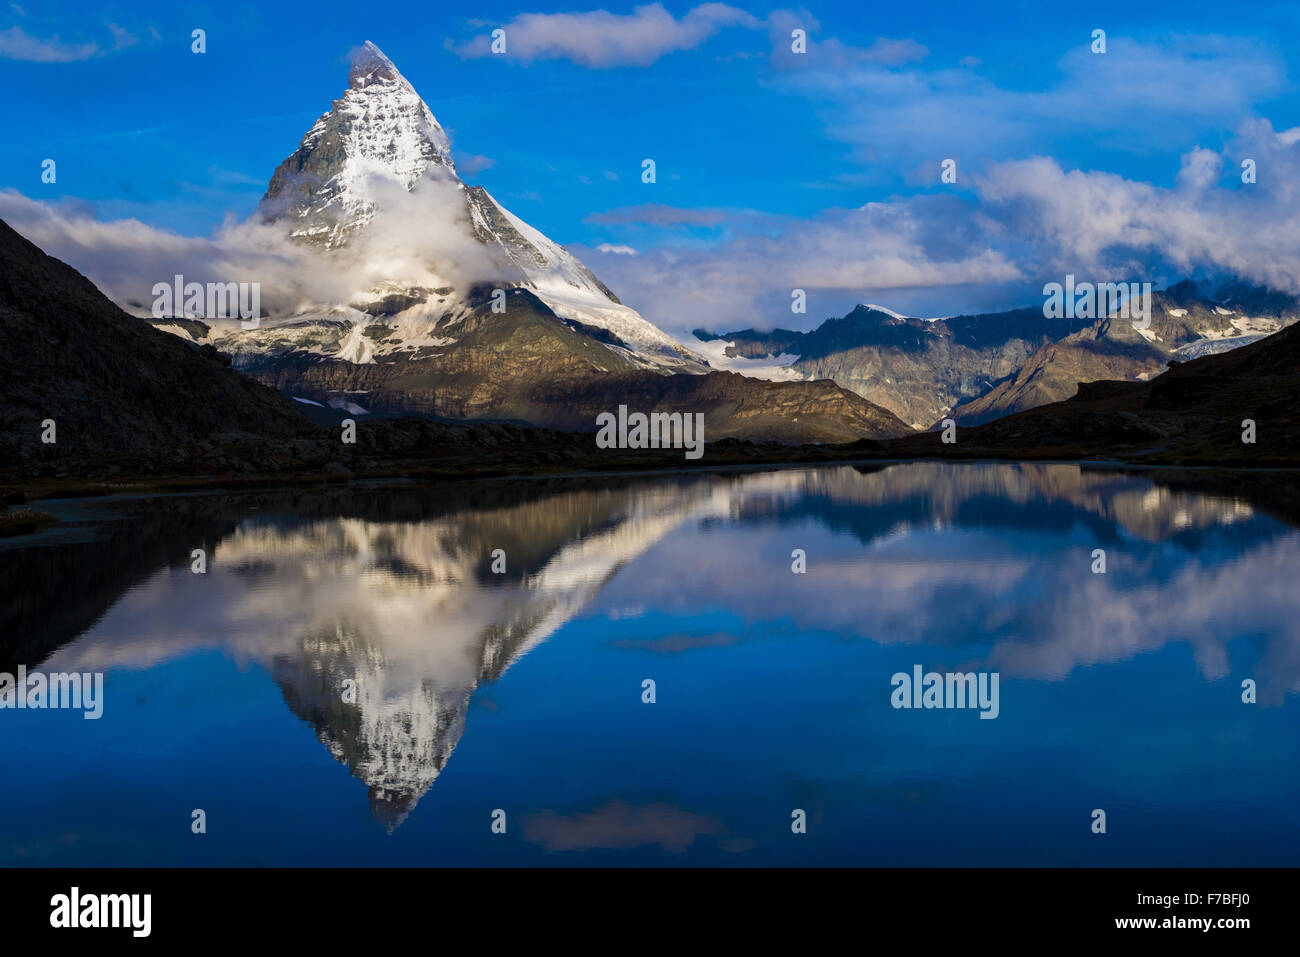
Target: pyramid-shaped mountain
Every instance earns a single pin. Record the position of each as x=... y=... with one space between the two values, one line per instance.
x=461 y=309
x=379 y=163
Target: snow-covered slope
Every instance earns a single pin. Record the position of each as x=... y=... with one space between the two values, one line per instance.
x=563 y=282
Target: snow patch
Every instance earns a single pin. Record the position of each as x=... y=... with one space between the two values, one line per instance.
x=776 y=369
x=898 y=315
x=346 y=406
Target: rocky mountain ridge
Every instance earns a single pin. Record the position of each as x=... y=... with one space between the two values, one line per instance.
x=975 y=368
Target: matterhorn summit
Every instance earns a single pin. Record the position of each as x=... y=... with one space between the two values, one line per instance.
x=379 y=130
x=374 y=180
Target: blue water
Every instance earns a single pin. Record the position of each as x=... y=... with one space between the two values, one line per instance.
x=522 y=691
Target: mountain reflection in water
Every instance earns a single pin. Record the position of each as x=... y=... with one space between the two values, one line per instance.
x=686 y=579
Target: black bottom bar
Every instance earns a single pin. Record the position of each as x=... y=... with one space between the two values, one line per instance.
x=372 y=906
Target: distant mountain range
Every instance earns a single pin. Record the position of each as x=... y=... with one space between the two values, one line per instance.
x=976 y=368
x=1194 y=413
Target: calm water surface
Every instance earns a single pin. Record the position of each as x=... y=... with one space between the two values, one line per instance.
x=522 y=691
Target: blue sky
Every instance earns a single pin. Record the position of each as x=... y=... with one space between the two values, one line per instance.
x=759 y=152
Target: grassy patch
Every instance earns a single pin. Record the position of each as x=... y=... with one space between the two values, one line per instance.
x=23 y=521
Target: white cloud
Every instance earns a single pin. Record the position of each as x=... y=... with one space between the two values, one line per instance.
x=17 y=44
x=124 y=258
x=601 y=39
x=1088 y=220
x=747 y=278
x=1022 y=223
x=471 y=163
x=122 y=38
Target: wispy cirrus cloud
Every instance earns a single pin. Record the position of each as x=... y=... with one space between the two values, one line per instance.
x=824 y=52
x=657 y=214
x=17 y=44
x=473 y=164
x=122 y=38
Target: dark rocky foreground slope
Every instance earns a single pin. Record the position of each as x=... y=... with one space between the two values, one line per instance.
x=129 y=400
x=1191 y=414
x=1108 y=349
x=111 y=383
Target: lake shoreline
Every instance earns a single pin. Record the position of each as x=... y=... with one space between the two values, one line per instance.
x=15 y=490
x=1269 y=489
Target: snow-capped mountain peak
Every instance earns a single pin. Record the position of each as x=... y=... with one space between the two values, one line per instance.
x=379 y=139
x=379 y=130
